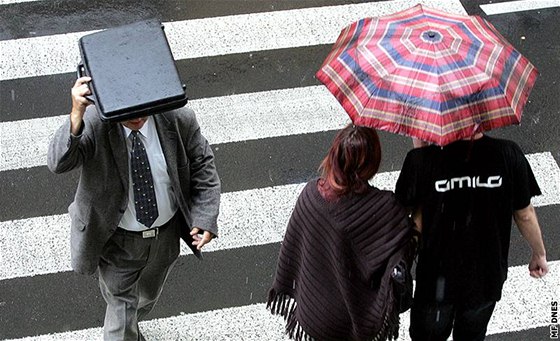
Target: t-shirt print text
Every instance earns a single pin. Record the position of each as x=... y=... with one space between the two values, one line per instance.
x=493 y=181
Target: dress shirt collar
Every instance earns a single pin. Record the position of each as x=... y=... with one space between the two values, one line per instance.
x=145 y=131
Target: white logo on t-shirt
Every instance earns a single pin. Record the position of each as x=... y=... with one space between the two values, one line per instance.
x=493 y=181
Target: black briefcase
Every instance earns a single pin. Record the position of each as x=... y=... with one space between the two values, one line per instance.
x=132 y=70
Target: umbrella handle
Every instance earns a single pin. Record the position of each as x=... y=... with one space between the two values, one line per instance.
x=474 y=132
x=475 y=129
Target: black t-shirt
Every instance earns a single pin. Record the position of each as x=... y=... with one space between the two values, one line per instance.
x=468 y=192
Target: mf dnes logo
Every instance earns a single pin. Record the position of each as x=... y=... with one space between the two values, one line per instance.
x=493 y=181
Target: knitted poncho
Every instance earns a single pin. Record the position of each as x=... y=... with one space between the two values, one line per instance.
x=332 y=279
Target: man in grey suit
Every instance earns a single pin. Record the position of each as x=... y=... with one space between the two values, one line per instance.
x=134 y=253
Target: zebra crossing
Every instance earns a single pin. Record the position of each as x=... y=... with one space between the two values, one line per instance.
x=253 y=322
x=250 y=77
x=33 y=249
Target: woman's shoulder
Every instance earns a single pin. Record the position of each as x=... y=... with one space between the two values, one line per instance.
x=312 y=194
x=385 y=196
x=311 y=189
x=376 y=191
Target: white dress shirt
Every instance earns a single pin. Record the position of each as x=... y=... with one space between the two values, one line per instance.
x=166 y=202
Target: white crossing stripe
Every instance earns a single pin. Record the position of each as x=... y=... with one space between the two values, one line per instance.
x=196 y=38
x=547 y=173
x=525 y=305
x=518 y=6
x=7 y=2
x=234 y=118
x=40 y=245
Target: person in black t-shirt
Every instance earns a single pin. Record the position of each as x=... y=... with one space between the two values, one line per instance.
x=463 y=197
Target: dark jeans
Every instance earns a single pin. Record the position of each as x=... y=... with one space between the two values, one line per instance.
x=433 y=322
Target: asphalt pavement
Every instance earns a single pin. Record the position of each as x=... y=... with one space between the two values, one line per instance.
x=249 y=67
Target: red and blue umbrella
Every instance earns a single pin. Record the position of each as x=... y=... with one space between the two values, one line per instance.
x=428 y=74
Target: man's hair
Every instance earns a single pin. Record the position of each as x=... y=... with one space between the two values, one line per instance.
x=352 y=160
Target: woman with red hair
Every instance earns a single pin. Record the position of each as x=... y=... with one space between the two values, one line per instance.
x=343 y=241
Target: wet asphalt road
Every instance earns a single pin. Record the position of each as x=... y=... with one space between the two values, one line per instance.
x=38 y=305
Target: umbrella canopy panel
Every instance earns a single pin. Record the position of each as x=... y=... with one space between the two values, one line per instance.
x=428 y=74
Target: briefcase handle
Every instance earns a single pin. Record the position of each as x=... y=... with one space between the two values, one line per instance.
x=81 y=72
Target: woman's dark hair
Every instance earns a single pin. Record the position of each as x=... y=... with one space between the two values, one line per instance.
x=352 y=160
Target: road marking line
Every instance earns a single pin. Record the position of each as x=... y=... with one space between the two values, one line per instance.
x=547 y=173
x=197 y=38
x=525 y=305
x=518 y=6
x=256 y=322
x=7 y=2
x=40 y=245
x=24 y=143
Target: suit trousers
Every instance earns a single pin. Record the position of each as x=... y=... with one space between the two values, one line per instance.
x=132 y=272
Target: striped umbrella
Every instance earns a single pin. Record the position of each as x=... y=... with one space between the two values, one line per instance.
x=428 y=74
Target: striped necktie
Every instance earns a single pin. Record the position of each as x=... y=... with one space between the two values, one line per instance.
x=142 y=182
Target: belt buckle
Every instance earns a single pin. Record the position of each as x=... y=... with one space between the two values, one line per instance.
x=151 y=233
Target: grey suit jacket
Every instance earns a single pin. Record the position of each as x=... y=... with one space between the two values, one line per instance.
x=102 y=193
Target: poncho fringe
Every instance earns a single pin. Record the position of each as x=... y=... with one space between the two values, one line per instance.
x=285 y=305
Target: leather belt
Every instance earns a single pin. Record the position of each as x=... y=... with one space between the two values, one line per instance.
x=151 y=232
